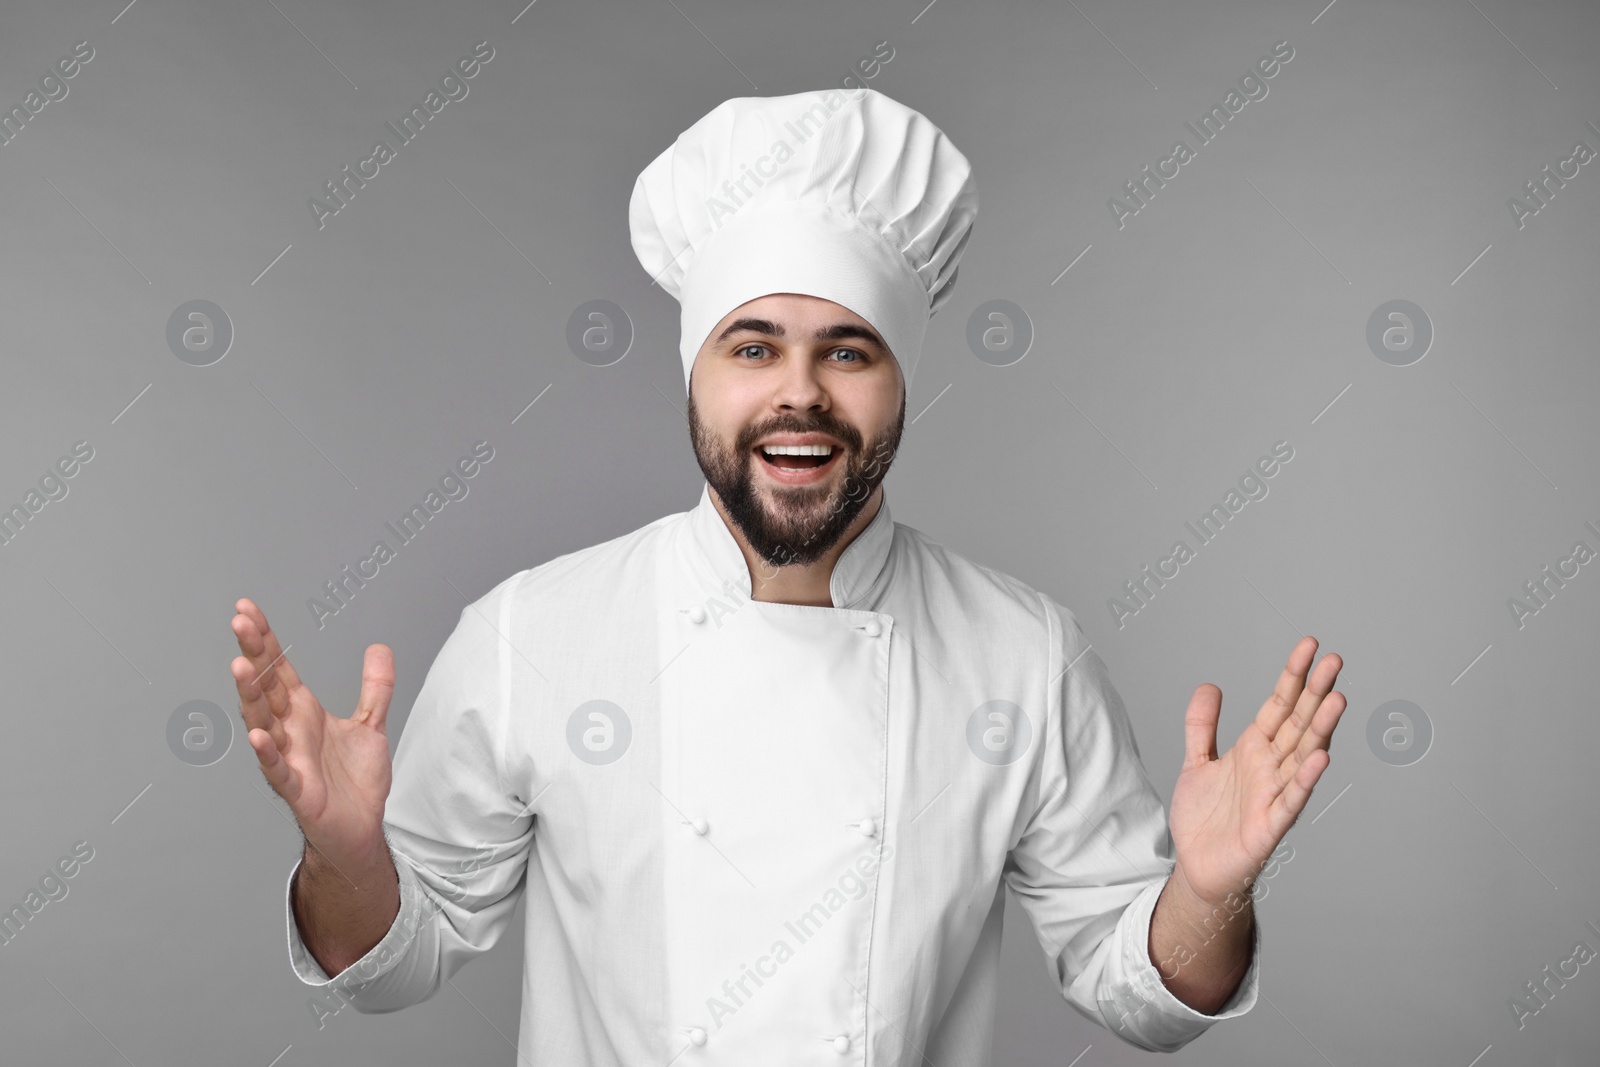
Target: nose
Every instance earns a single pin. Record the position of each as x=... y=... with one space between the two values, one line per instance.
x=798 y=385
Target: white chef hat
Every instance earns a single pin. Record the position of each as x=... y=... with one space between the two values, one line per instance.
x=846 y=195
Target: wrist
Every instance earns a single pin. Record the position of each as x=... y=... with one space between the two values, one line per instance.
x=1190 y=899
x=350 y=860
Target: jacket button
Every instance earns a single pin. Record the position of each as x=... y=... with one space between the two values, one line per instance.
x=697 y=614
x=841 y=1044
x=867 y=826
x=698 y=825
x=872 y=628
x=697 y=1035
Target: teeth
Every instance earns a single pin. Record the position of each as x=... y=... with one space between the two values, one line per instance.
x=797 y=450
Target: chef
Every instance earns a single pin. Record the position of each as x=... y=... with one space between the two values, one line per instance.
x=763 y=771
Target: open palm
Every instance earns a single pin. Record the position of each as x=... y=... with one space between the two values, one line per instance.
x=1229 y=813
x=333 y=772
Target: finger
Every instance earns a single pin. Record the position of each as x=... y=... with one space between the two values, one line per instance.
x=1320 y=733
x=267 y=683
x=1280 y=704
x=1288 y=737
x=1317 y=738
x=257 y=640
x=253 y=704
x=284 y=781
x=1200 y=726
x=377 y=686
x=1292 y=801
x=272 y=651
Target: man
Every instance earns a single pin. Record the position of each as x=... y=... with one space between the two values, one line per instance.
x=764 y=769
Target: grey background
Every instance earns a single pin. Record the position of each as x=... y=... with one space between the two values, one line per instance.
x=1229 y=314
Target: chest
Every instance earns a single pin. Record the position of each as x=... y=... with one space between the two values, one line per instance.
x=786 y=799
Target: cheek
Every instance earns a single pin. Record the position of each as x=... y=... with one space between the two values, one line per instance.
x=720 y=417
x=873 y=413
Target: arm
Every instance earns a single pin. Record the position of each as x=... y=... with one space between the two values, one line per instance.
x=1230 y=813
x=1201 y=950
x=454 y=835
x=379 y=926
x=1095 y=856
x=343 y=910
x=334 y=774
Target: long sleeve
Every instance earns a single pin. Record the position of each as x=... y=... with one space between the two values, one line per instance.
x=459 y=839
x=1094 y=857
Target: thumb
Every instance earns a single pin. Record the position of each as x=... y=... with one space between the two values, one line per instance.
x=377 y=686
x=1200 y=726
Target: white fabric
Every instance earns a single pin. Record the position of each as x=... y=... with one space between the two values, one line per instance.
x=847 y=195
x=783 y=728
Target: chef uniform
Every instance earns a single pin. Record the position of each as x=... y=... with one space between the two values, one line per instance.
x=754 y=833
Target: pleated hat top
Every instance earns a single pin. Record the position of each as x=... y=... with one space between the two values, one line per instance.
x=847 y=195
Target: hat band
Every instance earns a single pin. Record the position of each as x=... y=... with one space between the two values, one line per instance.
x=806 y=249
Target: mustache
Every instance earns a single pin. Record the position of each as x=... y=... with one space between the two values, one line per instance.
x=841 y=431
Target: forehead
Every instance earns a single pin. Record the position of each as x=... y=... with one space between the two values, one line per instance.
x=793 y=310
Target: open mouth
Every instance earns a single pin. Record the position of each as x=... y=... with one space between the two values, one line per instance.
x=798 y=460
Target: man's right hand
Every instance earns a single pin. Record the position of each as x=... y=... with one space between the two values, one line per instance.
x=334 y=773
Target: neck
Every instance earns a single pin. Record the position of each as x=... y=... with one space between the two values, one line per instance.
x=807 y=584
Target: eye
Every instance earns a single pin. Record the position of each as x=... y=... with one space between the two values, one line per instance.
x=742 y=349
x=859 y=357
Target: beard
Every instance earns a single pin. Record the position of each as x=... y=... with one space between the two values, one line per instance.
x=794 y=525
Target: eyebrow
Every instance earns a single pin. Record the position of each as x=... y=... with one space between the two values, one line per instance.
x=837 y=332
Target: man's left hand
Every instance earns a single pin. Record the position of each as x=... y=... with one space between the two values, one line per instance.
x=1229 y=813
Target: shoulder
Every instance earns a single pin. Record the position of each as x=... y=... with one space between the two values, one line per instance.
x=608 y=565
x=990 y=600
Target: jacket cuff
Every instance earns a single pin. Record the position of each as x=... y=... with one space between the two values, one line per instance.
x=1160 y=1020
x=381 y=958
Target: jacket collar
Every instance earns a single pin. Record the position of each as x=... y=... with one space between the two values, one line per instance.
x=856 y=574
